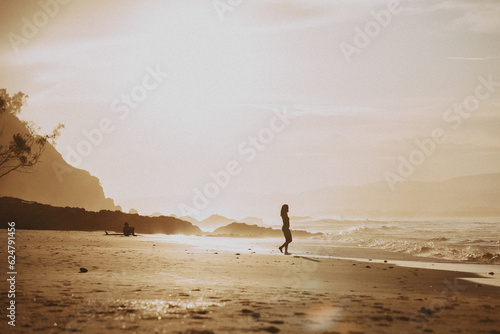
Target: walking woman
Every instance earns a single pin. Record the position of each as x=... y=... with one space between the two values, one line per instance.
x=285 y=229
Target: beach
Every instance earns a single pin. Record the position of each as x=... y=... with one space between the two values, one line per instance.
x=143 y=285
x=265 y=166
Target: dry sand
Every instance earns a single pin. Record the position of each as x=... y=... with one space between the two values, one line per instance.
x=138 y=286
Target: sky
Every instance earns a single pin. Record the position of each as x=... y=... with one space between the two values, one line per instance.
x=178 y=105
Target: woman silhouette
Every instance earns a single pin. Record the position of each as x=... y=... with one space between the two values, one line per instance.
x=285 y=229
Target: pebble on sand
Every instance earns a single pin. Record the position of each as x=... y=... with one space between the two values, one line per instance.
x=426 y=311
x=83 y=270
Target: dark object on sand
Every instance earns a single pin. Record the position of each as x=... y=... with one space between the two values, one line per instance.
x=83 y=270
x=134 y=235
x=128 y=230
x=426 y=311
x=491 y=273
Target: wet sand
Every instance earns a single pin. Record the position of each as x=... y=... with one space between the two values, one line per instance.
x=137 y=286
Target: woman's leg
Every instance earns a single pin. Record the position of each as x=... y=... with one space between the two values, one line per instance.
x=288 y=237
x=286 y=247
x=281 y=247
x=285 y=244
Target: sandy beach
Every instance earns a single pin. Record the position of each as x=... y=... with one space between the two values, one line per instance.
x=137 y=285
x=264 y=166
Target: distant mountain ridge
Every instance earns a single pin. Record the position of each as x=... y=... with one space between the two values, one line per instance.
x=55 y=182
x=252 y=220
x=254 y=231
x=213 y=222
x=468 y=196
x=190 y=219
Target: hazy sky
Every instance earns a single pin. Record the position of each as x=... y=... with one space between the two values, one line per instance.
x=183 y=88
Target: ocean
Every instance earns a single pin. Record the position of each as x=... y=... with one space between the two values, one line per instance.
x=463 y=240
x=473 y=241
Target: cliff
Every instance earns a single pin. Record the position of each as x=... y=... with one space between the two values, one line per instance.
x=36 y=216
x=52 y=181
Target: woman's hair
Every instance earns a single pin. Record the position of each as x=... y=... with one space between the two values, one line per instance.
x=284 y=210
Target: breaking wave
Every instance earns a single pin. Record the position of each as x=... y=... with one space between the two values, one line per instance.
x=457 y=241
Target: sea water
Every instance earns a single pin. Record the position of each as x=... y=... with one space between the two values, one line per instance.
x=439 y=240
x=464 y=240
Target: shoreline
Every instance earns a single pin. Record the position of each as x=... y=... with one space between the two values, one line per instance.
x=378 y=256
x=471 y=268
x=148 y=286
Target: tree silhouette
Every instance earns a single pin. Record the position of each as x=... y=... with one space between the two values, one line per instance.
x=21 y=152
